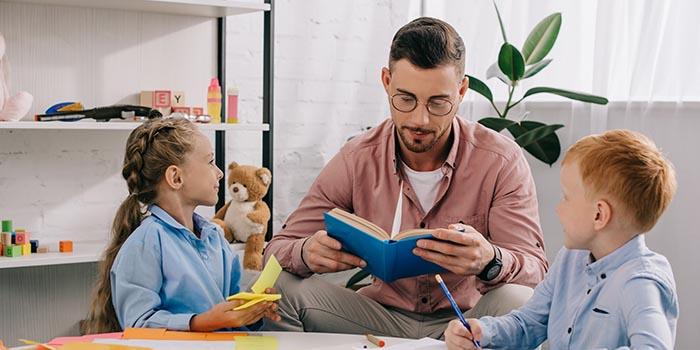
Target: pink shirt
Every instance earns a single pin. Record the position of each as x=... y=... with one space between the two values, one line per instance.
x=487 y=184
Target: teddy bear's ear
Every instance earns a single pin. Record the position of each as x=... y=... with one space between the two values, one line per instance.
x=232 y=166
x=264 y=175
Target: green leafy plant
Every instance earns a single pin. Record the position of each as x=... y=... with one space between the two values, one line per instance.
x=512 y=67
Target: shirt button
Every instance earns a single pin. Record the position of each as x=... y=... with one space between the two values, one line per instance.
x=602 y=275
x=568 y=330
x=205 y=257
x=588 y=291
x=422 y=225
x=424 y=300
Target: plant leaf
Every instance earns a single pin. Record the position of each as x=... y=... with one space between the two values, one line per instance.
x=500 y=22
x=479 y=87
x=535 y=68
x=579 y=96
x=541 y=39
x=546 y=149
x=357 y=277
x=511 y=62
x=495 y=72
x=537 y=134
x=495 y=123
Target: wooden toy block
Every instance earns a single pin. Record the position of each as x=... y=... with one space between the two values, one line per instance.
x=65 y=246
x=35 y=244
x=42 y=250
x=181 y=109
x=13 y=251
x=13 y=237
x=21 y=238
x=197 y=111
x=26 y=249
x=5 y=238
x=177 y=99
x=7 y=226
x=2 y=250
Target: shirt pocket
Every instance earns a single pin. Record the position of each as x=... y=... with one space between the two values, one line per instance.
x=478 y=222
x=601 y=311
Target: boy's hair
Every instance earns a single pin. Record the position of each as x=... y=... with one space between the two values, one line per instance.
x=428 y=43
x=628 y=166
x=150 y=149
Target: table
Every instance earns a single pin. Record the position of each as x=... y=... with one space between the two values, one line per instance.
x=331 y=341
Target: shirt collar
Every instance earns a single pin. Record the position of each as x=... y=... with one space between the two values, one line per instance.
x=609 y=263
x=451 y=157
x=199 y=222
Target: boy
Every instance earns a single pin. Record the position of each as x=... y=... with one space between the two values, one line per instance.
x=606 y=289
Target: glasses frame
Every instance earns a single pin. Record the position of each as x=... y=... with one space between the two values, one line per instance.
x=427 y=104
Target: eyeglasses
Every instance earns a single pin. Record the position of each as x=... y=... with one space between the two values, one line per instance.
x=437 y=106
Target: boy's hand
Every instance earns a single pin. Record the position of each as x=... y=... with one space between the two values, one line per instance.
x=458 y=337
x=223 y=316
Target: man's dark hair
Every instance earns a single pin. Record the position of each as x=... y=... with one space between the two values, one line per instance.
x=428 y=43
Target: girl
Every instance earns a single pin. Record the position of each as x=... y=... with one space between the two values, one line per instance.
x=169 y=267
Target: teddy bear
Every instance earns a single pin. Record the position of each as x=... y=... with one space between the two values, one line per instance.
x=244 y=218
x=12 y=108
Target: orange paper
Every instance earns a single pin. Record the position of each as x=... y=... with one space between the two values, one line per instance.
x=164 y=334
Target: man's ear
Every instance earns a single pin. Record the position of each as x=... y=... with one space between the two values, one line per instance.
x=464 y=86
x=386 y=79
x=173 y=177
x=603 y=214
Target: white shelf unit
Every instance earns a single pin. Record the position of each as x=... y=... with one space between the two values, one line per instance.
x=119 y=125
x=85 y=251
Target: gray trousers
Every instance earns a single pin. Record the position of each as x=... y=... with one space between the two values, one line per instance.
x=315 y=305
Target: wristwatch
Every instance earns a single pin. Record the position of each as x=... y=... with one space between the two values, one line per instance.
x=493 y=268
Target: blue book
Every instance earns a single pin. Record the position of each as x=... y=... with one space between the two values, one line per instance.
x=388 y=258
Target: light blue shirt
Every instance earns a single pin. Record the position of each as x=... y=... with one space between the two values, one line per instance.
x=626 y=300
x=163 y=275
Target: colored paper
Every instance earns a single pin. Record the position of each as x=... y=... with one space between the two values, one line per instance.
x=172 y=344
x=38 y=345
x=164 y=334
x=253 y=299
x=257 y=343
x=268 y=277
x=86 y=338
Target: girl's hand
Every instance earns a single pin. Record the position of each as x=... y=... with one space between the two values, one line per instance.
x=458 y=337
x=271 y=313
x=222 y=315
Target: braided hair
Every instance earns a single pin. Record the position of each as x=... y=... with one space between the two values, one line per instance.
x=150 y=149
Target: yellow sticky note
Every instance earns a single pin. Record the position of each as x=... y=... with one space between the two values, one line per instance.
x=268 y=277
x=257 y=343
x=253 y=298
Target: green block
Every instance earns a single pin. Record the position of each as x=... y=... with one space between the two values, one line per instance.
x=13 y=250
x=7 y=226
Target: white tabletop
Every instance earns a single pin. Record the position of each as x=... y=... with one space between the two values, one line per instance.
x=301 y=340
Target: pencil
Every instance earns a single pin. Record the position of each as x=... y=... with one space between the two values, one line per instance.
x=457 y=310
x=374 y=340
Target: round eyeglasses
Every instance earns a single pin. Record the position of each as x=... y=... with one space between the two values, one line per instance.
x=437 y=106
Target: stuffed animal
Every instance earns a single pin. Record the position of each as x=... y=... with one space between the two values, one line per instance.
x=12 y=108
x=244 y=218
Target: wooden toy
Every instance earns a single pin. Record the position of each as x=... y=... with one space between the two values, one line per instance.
x=42 y=250
x=65 y=246
x=26 y=249
x=21 y=238
x=13 y=251
x=5 y=238
x=35 y=244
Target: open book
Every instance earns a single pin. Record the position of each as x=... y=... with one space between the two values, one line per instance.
x=387 y=258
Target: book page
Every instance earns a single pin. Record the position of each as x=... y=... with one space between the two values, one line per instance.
x=412 y=233
x=359 y=223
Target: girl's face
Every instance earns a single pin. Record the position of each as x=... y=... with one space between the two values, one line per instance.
x=200 y=175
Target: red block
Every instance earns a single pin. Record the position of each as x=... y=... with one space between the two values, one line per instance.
x=21 y=238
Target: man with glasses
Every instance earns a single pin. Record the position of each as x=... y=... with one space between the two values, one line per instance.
x=425 y=167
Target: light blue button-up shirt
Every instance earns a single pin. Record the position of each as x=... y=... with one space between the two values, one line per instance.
x=626 y=300
x=163 y=275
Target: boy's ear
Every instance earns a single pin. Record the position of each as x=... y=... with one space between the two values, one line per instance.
x=603 y=214
x=173 y=177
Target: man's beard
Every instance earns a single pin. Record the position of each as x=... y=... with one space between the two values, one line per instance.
x=421 y=145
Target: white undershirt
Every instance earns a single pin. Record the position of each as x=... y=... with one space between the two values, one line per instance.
x=425 y=185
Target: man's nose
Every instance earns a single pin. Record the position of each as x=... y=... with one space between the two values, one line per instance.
x=420 y=115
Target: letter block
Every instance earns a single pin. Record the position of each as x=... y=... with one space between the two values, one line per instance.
x=65 y=246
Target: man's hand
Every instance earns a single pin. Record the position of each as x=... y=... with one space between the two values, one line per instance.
x=322 y=253
x=464 y=253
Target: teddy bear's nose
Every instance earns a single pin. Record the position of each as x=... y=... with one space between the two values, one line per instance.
x=235 y=189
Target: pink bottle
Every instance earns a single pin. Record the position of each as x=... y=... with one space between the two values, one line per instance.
x=232 y=105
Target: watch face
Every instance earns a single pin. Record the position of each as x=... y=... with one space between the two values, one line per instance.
x=493 y=272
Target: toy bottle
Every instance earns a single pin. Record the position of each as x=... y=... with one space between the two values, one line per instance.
x=214 y=100
x=232 y=105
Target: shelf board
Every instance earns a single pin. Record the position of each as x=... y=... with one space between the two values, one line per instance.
x=204 y=8
x=117 y=125
x=83 y=252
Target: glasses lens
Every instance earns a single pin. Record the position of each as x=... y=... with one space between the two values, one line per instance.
x=439 y=107
x=404 y=102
